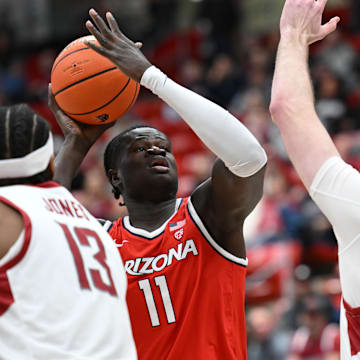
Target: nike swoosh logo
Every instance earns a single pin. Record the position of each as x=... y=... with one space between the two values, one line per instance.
x=122 y=244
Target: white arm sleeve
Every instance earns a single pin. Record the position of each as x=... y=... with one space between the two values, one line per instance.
x=221 y=132
x=336 y=190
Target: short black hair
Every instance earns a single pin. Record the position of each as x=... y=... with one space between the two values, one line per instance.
x=113 y=149
x=21 y=132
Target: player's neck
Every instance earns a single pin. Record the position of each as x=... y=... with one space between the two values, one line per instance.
x=150 y=216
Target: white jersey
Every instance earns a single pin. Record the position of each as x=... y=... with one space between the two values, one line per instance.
x=62 y=283
x=336 y=190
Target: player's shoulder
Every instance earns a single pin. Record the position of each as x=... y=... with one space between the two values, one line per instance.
x=112 y=227
x=334 y=173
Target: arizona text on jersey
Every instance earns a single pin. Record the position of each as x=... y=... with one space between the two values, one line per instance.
x=185 y=293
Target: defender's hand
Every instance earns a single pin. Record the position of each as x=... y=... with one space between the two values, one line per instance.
x=85 y=135
x=301 y=20
x=114 y=45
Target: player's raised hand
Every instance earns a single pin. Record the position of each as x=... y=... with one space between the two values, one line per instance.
x=114 y=45
x=85 y=134
x=302 y=20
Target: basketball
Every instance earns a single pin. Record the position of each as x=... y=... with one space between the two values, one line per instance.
x=90 y=88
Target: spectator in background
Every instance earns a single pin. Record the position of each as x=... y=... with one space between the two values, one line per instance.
x=224 y=17
x=330 y=103
x=256 y=78
x=13 y=81
x=222 y=80
x=293 y=306
x=337 y=54
x=355 y=16
x=95 y=195
x=38 y=69
x=7 y=45
x=316 y=338
x=265 y=341
x=192 y=75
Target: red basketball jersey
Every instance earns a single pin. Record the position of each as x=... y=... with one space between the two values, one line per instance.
x=186 y=294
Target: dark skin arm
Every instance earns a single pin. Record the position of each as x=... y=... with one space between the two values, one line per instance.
x=11 y=225
x=224 y=201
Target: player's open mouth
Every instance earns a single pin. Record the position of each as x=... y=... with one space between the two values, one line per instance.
x=160 y=165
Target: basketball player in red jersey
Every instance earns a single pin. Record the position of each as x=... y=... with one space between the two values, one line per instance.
x=185 y=258
x=333 y=184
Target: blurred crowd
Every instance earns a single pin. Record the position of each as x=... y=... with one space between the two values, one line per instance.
x=225 y=50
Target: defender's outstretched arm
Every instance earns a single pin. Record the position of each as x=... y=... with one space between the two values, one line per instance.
x=292 y=102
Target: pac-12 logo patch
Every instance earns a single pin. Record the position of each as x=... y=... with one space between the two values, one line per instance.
x=178 y=227
x=179 y=234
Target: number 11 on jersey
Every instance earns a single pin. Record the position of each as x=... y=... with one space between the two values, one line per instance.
x=145 y=286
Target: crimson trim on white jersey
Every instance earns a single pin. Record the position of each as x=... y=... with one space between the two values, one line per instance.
x=353 y=327
x=6 y=297
x=46 y=184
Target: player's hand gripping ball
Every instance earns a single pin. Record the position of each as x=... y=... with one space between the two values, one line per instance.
x=90 y=88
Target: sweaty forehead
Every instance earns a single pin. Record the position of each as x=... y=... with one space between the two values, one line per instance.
x=146 y=133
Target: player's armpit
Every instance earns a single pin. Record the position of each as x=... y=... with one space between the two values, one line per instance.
x=11 y=226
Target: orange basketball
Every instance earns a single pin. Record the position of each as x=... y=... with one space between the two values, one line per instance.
x=90 y=88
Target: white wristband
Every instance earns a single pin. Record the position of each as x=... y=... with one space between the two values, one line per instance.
x=220 y=131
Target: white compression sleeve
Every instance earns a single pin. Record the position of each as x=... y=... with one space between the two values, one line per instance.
x=220 y=131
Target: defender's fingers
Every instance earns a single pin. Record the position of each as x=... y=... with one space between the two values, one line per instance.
x=99 y=22
x=139 y=45
x=322 y=4
x=330 y=26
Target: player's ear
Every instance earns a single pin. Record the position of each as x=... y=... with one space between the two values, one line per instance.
x=115 y=178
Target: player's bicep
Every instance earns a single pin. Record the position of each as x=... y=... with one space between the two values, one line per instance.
x=308 y=144
x=224 y=201
x=336 y=190
x=226 y=198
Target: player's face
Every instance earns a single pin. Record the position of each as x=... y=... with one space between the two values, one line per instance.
x=147 y=165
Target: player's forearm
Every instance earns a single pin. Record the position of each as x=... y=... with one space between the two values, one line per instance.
x=221 y=132
x=292 y=92
x=292 y=108
x=68 y=161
